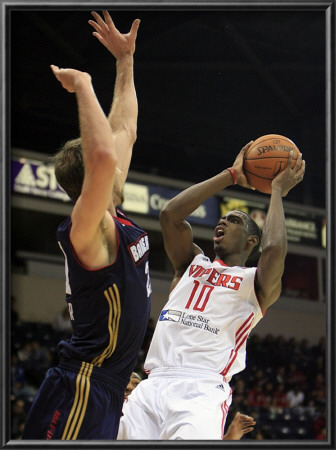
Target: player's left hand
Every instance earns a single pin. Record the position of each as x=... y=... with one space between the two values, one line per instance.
x=240 y=425
x=117 y=43
x=291 y=176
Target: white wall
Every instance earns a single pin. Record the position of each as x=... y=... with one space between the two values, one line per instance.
x=38 y=299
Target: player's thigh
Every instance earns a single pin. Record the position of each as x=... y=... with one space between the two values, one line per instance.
x=198 y=413
x=140 y=416
x=204 y=424
x=51 y=406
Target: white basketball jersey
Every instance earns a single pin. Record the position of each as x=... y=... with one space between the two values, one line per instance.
x=207 y=319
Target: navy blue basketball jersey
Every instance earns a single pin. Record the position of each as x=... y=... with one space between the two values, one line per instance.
x=109 y=308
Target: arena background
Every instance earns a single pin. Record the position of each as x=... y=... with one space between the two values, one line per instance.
x=208 y=80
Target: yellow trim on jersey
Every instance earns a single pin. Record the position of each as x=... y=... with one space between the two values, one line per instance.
x=79 y=406
x=113 y=298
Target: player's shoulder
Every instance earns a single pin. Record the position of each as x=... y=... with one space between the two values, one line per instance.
x=200 y=257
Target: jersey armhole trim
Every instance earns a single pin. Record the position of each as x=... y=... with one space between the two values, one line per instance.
x=256 y=295
x=100 y=268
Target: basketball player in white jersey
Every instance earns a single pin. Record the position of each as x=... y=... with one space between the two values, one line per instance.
x=200 y=338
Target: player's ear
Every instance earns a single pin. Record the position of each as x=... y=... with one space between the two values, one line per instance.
x=254 y=240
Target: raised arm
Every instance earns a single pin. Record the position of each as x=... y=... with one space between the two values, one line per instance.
x=274 y=240
x=124 y=110
x=100 y=165
x=176 y=231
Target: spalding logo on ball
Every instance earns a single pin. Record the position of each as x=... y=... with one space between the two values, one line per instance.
x=266 y=158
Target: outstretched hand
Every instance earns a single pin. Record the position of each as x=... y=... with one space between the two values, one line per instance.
x=69 y=77
x=117 y=43
x=290 y=176
x=240 y=425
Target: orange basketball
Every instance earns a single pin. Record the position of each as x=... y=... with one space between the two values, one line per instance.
x=266 y=158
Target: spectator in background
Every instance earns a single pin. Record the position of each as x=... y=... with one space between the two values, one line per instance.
x=280 y=375
x=295 y=375
x=259 y=436
x=317 y=368
x=304 y=350
x=280 y=397
x=319 y=391
x=62 y=324
x=18 y=417
x=135 y=379
x=269 y=394
x=239 y=398
x=254 y=350
x=18 y=377
x=19 y=386
x=281 y=350
x=292 y=348
x=41 y=361
x=295 y=397
x=267 y=344
x=322 y=435
x=25 y=355
x=260 y=377
x=320 y=348
x=256 y=396
x=319 y=424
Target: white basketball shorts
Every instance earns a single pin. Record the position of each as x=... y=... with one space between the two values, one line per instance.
x=176 y=404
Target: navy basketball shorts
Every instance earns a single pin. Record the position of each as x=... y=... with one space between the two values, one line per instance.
x=76 y=401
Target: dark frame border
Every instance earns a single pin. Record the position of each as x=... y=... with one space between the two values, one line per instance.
x=329 y=8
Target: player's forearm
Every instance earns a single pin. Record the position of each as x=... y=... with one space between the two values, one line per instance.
x=94 y=127
x=274 y=230
x=185 y=203
x=124 y=110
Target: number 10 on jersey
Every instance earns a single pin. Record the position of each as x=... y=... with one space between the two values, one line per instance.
x=200 y=295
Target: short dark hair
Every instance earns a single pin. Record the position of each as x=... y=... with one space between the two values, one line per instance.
x=253 y=230
x=69 y=168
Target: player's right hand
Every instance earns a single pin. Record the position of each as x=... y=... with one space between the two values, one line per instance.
x=238 y=167
x=70 y=77
x=117 y=43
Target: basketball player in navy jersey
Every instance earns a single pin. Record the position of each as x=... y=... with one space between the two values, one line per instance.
x=106 y=260
x=199 y=341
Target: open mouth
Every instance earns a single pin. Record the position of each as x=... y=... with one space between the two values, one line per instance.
x=219 y=235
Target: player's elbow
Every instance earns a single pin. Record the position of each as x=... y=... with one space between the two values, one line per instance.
x=275 y=250
x=132 y=133
x=164 y=215
x=130 y=130
x=103 y=156
x=168 y=212
x=167 y=216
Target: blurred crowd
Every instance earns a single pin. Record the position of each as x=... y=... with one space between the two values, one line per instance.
x=283 y=386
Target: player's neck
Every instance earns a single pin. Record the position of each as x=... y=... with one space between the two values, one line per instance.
x=112 y=209
x=231 y=260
